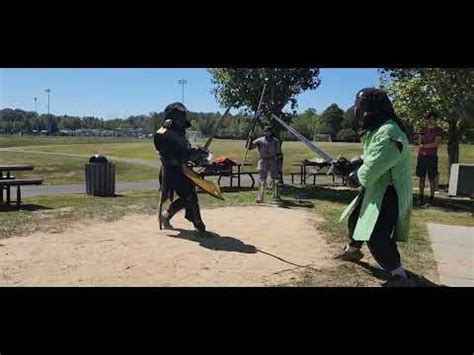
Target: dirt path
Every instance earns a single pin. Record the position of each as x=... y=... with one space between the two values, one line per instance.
x=256 y=246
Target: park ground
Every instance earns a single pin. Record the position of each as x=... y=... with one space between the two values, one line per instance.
x=63 y=239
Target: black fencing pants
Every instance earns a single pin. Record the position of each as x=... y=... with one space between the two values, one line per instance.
x=186 y=192
x=382 y=243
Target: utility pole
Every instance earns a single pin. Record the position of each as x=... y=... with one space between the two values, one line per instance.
x=182 y=82
x=49 y=115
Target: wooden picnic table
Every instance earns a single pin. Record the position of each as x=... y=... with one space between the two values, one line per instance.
x=239 y=172
x=16 y=167
x=303 y=168
x=228 y=170
x=8 y=180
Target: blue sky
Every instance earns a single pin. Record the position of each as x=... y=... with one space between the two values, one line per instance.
x=112 y=93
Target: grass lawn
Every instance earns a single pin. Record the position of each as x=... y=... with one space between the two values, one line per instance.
x=57 y=169
x=69 y=169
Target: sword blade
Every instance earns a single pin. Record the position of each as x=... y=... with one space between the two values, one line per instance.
x=302 y=138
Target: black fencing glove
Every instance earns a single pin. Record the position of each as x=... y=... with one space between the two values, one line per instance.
x=353 y=180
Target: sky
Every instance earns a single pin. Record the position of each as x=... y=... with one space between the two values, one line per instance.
x=119 y=93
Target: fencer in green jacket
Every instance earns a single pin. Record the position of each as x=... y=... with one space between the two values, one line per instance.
x=380 y=214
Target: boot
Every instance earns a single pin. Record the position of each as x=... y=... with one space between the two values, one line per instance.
x=193 y=214
x=261 y=193
x=275 y=193
x=201 y=230
x=200 y=227
x=430 y=201
x=420 y=200
x=350 y=254
x=165 y=220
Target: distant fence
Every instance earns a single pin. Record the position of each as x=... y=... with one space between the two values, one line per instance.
x=322 y=138
x=73 y=136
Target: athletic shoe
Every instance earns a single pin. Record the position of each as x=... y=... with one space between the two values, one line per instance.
x=399 y=281
x=352 y=256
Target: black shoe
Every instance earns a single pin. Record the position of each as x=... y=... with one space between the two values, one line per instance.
x=355 y=255
x=399 y=281
x=165 y=222
x=205 y=234
x=200 y=227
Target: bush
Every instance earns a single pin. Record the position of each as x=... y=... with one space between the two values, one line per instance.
x=346 y=135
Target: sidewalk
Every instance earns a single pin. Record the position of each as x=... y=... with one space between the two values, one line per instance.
x=53 y=190
x=453 y=248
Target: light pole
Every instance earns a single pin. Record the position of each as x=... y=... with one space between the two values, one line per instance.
x=49 y=116
x=182 y=82
x=36 y=111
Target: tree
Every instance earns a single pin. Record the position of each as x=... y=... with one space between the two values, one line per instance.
x=320 y=126
x=306 y=123
x=346 y=135
x=205 y=125
x=445 y=91
x=54 y=124
x=310 y=111
x=242 y=87
x=332 y=118
x=349 y=120
x=27 y=125
x=155 y=121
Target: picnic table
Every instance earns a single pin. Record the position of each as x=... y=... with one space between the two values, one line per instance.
x=5 y=170
x=228 y=170
x=8 y=179
x=320 y=166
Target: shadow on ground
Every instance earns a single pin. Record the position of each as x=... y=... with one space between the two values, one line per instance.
x=216 y=241
x=294 y=203
x=319 y=193
x=233 y=189
x=107 y=197
x=226 y=243
x=447 y=204
x=345 y=196
x=28 y=207
x=420 y=281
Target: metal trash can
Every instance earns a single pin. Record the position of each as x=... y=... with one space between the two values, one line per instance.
x=100 y=177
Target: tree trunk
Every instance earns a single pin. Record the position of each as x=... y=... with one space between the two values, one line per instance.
x=280 y=166
x=278 y=133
